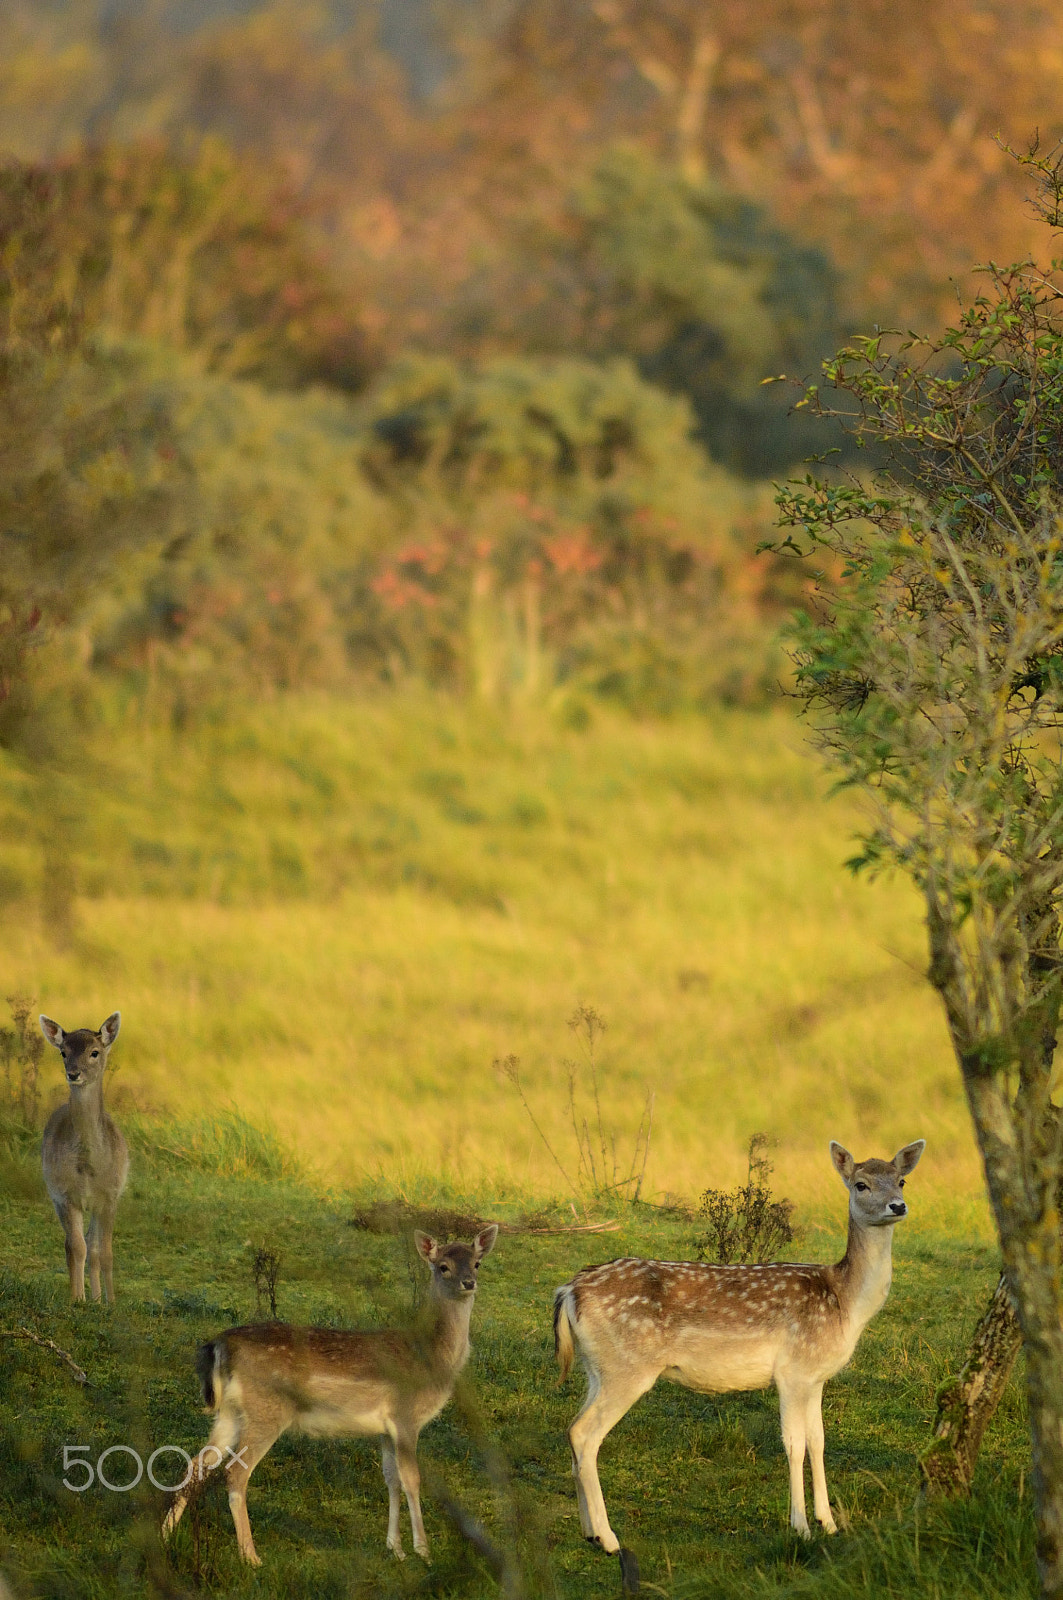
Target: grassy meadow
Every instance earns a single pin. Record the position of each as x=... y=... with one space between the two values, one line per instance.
x=335 y=916
x=324 y=921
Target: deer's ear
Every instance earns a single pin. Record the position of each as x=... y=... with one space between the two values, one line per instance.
x=908 y=1158
x=109 y=1029
x=52 y=1032
x=427 y=1247
x=843 y=1161
x=484 y=1242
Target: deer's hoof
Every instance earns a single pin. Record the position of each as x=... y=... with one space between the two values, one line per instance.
x=605 y=1541
x=422 y=1551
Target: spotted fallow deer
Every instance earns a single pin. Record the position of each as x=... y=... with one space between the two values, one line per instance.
x=263 y=1379
x=84 y=1156
x=717 y=1328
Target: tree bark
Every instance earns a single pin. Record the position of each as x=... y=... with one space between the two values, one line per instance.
x=966 y=1403
x=1019 y=1137
x=1023 y=1188
x=1043 y=1337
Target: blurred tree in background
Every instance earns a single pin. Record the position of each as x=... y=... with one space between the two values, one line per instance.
x=90 y=484
x=199 y=252
x=550 y=251
x=563 y=524
x=704 y=293
x=865 y=126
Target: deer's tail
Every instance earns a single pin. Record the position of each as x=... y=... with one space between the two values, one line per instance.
x=564 y=1326
x=212 y=1367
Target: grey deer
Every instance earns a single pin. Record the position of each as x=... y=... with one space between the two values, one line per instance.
x=715 y=1329
x=84 y=1156
x=262 y=1379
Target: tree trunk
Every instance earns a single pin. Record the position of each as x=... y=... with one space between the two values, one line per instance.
x=1023 y=1187
x=966 y=1403
x=1019 y=1136
x=1044 y=1383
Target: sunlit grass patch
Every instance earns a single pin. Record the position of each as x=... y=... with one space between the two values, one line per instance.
x=298 y=917
x=224 y=1145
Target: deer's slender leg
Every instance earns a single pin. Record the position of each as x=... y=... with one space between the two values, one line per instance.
x=223 y=1437
x=601 y=1412
x=586 y=1524
x=92 y=1244
x=391 y=1478
x=793 y=1411
x=256 y=1444
x=74 y=1231
x=814 y=1435
x=410 y=1478
x=105 y=1223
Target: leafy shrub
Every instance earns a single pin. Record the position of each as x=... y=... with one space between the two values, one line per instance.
x=746 y=1223
x=556 y=510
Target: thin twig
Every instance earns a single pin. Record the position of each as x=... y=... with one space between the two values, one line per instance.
x=47 y=1344
x=581 y=1227
x=650 y=1102
x=510 y=1067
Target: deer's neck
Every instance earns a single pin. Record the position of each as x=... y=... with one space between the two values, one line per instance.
x=86 y=1110
x=450 y=1333
x=865 y=1272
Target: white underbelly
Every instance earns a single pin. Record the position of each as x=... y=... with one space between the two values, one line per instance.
x=330 y=1422
x=717 y=1365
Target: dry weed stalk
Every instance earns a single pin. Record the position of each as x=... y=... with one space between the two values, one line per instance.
x=22 y=1048
x=599 y=1166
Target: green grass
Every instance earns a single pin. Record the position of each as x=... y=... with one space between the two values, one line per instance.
x=696 y=1485
x=335 y=916
x=322 y=922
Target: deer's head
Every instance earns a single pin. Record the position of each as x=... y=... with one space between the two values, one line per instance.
x=455 y=1266
x=874 y=1186
x=84 y=1052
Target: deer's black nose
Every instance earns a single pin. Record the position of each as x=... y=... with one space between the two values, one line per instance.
x=468 y=1283
x=898 y=1208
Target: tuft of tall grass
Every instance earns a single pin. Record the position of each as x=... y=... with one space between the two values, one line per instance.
x=224 y=1145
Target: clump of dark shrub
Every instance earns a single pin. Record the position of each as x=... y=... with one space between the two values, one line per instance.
x=747 y=1223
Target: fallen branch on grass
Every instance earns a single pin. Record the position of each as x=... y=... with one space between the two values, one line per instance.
x=571 y=1227
x=80 y=1374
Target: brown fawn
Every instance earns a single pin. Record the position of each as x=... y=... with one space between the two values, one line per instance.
x=85 y=1158
x=263 y=1379
x=717 y=1328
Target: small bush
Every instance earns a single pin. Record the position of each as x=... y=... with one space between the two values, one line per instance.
x=746 y=1223
x=265 y=1270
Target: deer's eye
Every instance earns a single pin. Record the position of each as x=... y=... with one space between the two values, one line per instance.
x=443 y=1267
x=862 y=1187
x=95 y=1053
x=901 y=1184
